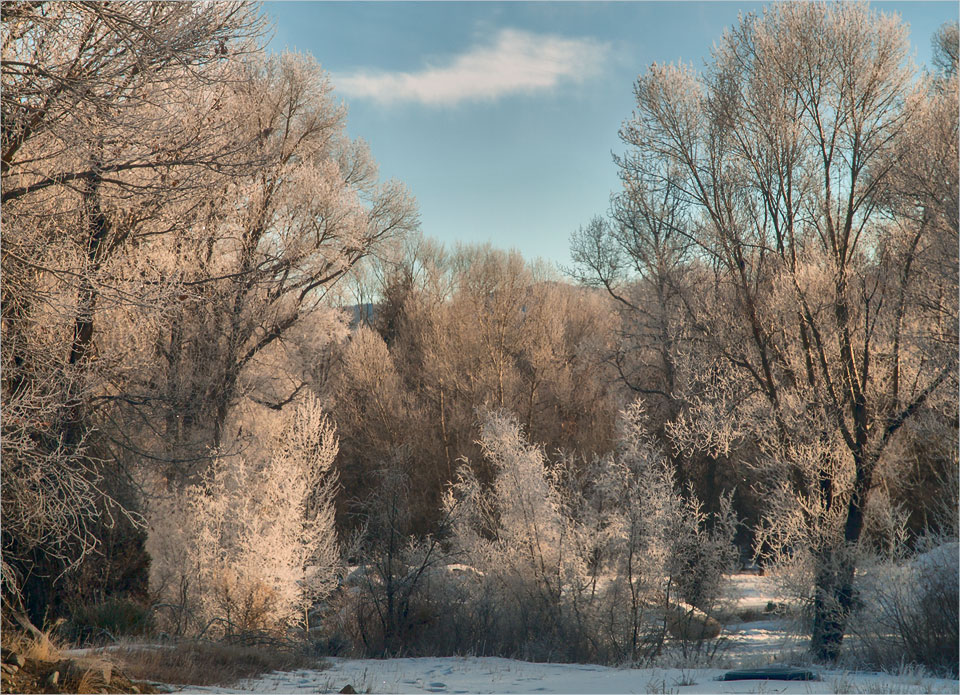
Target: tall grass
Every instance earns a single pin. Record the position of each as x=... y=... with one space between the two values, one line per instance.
x=207 y=663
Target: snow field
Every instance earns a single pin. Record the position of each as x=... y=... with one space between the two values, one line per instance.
x=496 y=675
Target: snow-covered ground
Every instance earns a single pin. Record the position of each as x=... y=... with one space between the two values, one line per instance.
x=752 y=591
x=745 y=645
x=495 y=675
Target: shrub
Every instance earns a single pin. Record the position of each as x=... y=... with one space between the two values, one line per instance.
x=545 y=561
x=384 y=607
x=578 y=572
x=909 y=610
x=109 y=621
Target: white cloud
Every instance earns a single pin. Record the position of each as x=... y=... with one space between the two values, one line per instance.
x=516 y=61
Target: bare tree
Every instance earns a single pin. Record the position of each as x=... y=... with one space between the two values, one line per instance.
x=108 y=123
x=275 y=243
x=639 y=258
x=782 y=156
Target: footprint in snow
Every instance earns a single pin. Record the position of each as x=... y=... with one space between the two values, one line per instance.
x=436 y=687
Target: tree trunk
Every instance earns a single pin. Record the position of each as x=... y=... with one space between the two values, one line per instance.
x=87 y=295
x=832 y=603
x=834 y=588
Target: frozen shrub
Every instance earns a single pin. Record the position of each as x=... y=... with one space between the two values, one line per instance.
x=519 y=533
x=583 y=564
x=252 y=543
x=653 y=545
x=909 y=610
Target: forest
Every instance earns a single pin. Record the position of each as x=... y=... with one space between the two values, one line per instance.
x=245 y=401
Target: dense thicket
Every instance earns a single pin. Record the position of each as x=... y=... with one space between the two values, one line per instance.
x=458 y=331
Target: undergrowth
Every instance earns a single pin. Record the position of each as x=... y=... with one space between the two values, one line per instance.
x=207 y=663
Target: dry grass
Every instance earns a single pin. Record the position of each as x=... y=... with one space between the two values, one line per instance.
x=89 y=683
x=38 y=648
x=43 y=657
x=206 y=663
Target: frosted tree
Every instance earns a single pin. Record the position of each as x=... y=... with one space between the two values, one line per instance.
x=517 y=531
x=176 y=206
x=256 y=269
x=650 y=547
x=109 y=131
x=640 y=257
x=518 y=524
x=253 y=543
x=813 y=343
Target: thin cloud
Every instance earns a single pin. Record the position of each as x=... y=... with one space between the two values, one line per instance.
x=515 y=62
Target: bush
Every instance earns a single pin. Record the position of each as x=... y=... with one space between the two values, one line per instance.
x=547 y=561
x=252 y=543
x=909 y=611
x=384 y=607
x=584 y=571
x=108 y=621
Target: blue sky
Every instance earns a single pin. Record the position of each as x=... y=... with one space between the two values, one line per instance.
x=501 y=117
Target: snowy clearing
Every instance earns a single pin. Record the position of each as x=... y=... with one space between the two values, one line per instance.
x=496 y=675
